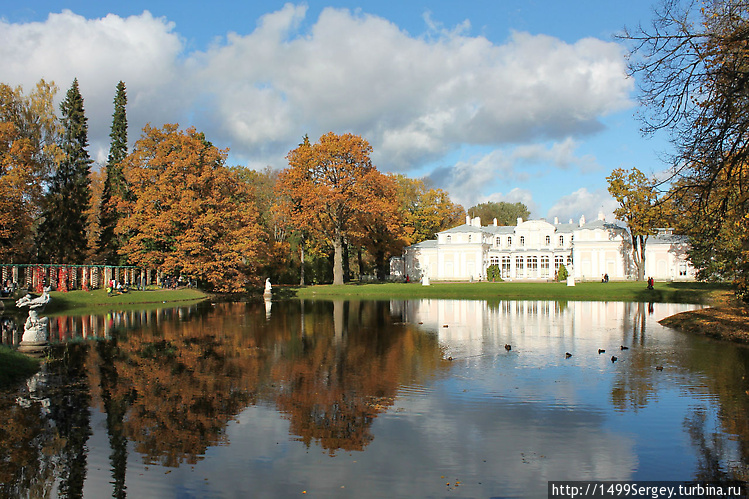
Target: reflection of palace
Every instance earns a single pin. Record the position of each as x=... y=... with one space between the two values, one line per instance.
x=535 y=249
x=480 y=326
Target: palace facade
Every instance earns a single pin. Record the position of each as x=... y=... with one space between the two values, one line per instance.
x=535 y=249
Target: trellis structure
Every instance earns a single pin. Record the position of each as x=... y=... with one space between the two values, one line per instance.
x=63 y=277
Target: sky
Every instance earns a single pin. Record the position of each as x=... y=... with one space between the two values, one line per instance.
x=489 y=100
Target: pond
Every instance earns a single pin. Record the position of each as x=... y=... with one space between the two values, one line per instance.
x=418 y=398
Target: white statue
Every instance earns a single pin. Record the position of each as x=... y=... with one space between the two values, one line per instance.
x=35 y=332
x=425 y=276
x=267 y=286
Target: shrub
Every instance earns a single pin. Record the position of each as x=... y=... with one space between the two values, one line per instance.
x=562 y=273
x=493 y=273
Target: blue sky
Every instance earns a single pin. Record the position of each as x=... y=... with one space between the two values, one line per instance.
x=491 y=100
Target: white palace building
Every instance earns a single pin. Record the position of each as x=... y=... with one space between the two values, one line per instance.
x=534 y=250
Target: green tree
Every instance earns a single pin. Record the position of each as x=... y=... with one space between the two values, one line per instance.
x=505 y=213
x=62 y=233
x=114 y=181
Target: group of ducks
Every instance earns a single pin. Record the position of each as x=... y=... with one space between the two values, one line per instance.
x=614 y=358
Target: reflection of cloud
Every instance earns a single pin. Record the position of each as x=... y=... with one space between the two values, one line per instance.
x=414 y=97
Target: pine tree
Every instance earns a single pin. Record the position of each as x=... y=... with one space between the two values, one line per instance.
x=62 y=233
x=114 y=183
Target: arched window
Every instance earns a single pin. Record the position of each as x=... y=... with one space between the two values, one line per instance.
x=561 y=241
x=449 y=239
x=469 y=238
x=497 y=242
x=548 y=240
x=522 y=240
x=509 y=241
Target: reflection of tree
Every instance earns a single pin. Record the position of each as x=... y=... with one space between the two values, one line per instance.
x=347 y=372
x=724 y=370
x=69 y=410
x=169 y=387
x=44 y=434
x=115 y=409
x=25 y=440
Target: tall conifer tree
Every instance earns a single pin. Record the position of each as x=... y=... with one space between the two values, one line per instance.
x=62 y=233
x=114 y=183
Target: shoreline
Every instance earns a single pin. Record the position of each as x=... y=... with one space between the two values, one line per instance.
x=727 y=319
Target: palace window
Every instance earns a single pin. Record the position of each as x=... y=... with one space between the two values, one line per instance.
x=558 y=261
x=548 y=240
x=469 y=238
x=682 y=269
x=509 y=242
x=449 y=239
x=561 y=241
x=497 y=242
x=519 y=269
x=505 y=267
x=544 y=266
x=532 y=266
x=522 y=240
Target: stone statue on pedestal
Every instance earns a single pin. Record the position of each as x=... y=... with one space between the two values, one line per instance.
x=35 y=332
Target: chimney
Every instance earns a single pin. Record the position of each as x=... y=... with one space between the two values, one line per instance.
x=520 y=220
x=468 y=219
x=495 y=222
x=556 y=220
x=476 y=222
x=582 y=220
x=601 y=216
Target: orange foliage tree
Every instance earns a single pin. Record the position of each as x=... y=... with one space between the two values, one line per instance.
x=333 y=187
x=186 y=212
x=28 y=135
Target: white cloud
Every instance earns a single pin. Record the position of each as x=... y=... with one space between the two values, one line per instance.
x=414 y=98
x=583 y=202
x=469 y=181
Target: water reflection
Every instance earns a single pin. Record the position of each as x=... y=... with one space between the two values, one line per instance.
x=190 y=399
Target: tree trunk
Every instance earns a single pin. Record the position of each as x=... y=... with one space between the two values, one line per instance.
x=346 y=266
x=338 y=259
x=380 y=265
x=301 y=266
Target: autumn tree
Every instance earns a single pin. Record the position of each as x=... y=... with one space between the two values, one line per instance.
x=692 y=67
x=638 y=207
x=505 y=213
x=114 y=182
x=28 y=148
x=382 y=231
x=336 y=186
x=425 y=211
x=186 y=212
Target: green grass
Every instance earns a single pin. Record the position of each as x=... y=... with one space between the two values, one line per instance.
x=15 y=367
x=674 y=292
x=97 y=300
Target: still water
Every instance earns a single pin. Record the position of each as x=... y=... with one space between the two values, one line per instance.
x=373 y=399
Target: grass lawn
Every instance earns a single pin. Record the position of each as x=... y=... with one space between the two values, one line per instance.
x=96 y=300
x=15 y=367
x=676 y=292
